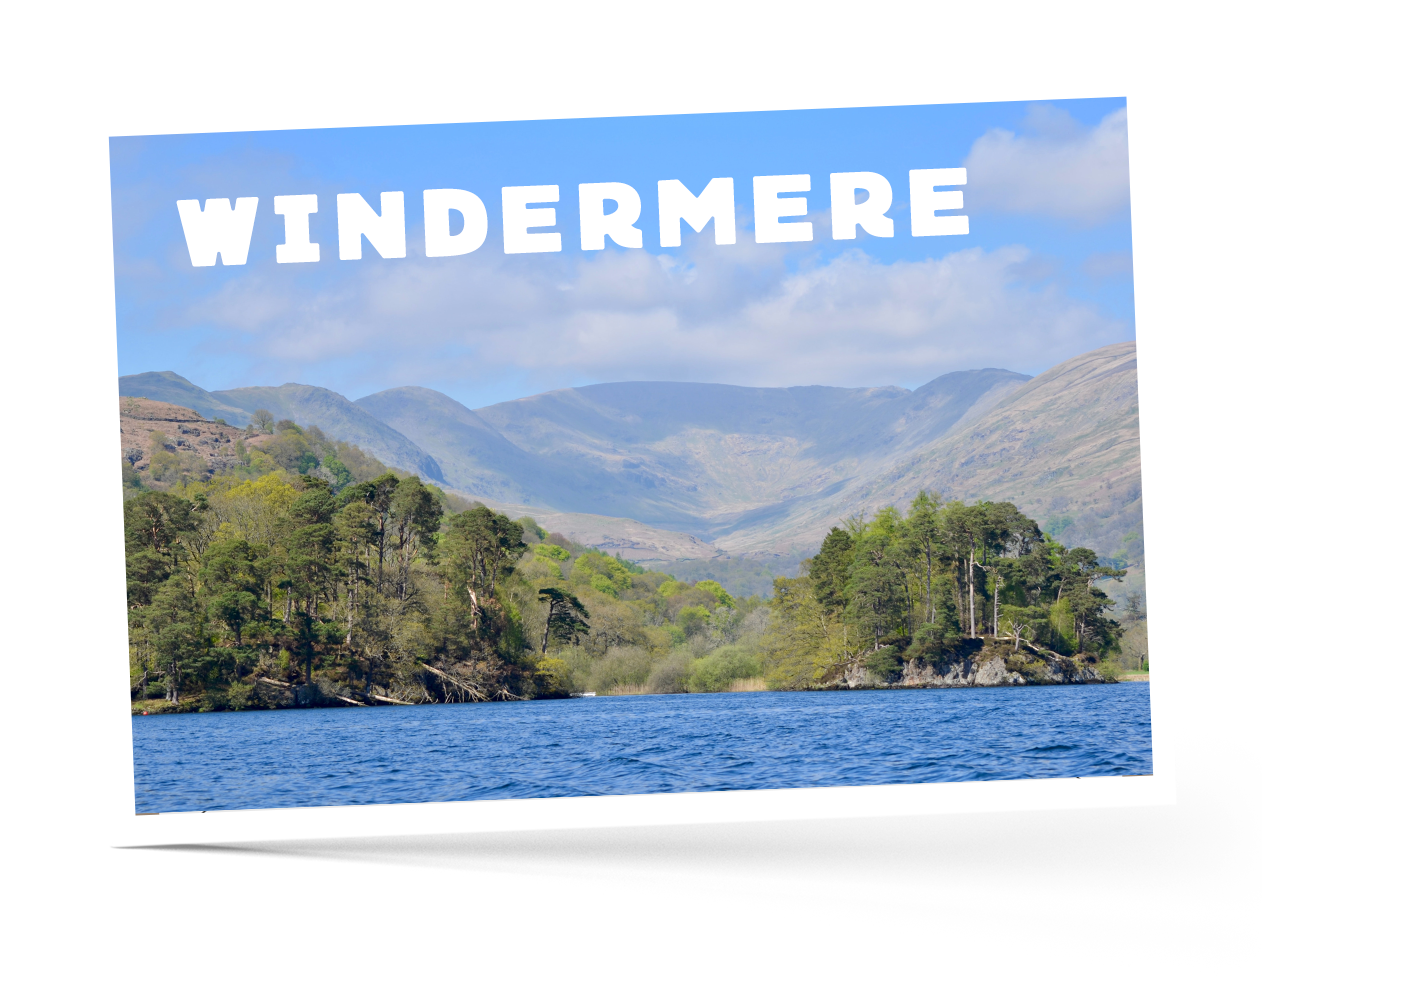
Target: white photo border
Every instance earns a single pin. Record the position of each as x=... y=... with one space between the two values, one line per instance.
x=124 y=827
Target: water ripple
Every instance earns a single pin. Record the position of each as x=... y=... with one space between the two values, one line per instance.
x=639 y=744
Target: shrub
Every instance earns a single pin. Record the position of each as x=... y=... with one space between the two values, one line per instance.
x=931 y=640
x=720 y=594
x=622 y=664
x=552 y=677
x=692 y=620
x=717 y=671
x=602 y=584
x=238 y=696
x=671 y=674
x=884 y=664
x=213 y=700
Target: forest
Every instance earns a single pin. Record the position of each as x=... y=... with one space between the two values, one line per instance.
x=302 y=572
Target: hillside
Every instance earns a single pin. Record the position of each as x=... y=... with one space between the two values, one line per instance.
x=176 y=437
x=165 y=445
x=309 y=405
x=688 y=471
x=693 y=457
x=1064 y=447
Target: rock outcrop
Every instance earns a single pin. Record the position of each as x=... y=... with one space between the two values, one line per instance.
x=995 y=664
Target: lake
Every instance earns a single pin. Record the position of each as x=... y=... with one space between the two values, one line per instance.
x=637 y=744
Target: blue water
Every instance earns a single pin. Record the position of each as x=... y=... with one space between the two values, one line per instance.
x=637 y=744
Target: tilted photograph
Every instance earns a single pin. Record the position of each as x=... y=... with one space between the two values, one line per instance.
x=630 y=455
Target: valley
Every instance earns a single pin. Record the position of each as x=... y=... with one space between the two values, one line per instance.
x=663 y=472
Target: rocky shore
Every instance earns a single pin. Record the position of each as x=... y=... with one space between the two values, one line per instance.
x=995 y=663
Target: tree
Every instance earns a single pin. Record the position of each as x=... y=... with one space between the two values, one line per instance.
x=805 y=643
x=177 y=626
x=567 y=617
x=926 y=533
x=414 y=522
x=830 y=567
x=965 y=529
x=377 y=494
x=479 y=546
x=312 y=542
x=1079 y=569
x=356 y=526
x=232 y=578
x=156 y=525
x=263 y=421
x=876 y=589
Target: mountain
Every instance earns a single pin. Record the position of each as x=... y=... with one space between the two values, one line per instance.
x=693 y=457
x=687 y=470
x=168 y=387
x=473 y=456
x=1064 y=447
x=307 y=405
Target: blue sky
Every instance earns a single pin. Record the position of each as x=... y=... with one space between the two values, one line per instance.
x=1044 y=274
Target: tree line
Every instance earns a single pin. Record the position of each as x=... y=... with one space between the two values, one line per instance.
x=911 y=587
x=280 y=582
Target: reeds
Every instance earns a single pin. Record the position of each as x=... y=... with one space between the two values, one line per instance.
x=627 y=689
x=753 y=684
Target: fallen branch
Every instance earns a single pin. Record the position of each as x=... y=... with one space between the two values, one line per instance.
x=474 y=693
x=274 y=682
x=355 y=703
x=387 y=699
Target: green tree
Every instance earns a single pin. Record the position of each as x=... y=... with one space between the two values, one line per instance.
x=964 y=529
x=479 y=550
x=567 y=617
x=377 y=494
x=413 y=523
x=232 y=577
x=356 y=526
x=876 y=587
x=155 y=526
x=177 y=628
x=830 y=568
x=928 y=537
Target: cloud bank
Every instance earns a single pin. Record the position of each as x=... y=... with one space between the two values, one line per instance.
x=740 y=315
x=1058 y=168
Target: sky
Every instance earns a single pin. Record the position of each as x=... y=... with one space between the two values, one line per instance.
x=1044 y=274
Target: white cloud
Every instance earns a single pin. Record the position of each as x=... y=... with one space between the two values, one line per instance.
x=1056 y=168
x=733 y=315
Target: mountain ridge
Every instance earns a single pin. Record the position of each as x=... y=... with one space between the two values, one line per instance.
x=332 y=412
x=754 y=470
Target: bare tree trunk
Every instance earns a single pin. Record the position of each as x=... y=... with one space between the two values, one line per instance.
x=973 y=619
x=996 y=583
x=351 y=604
x=929 y=587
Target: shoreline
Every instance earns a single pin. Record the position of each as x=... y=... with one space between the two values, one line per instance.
x=839 y=687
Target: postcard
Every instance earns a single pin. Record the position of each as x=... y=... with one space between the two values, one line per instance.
x=620 y=457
